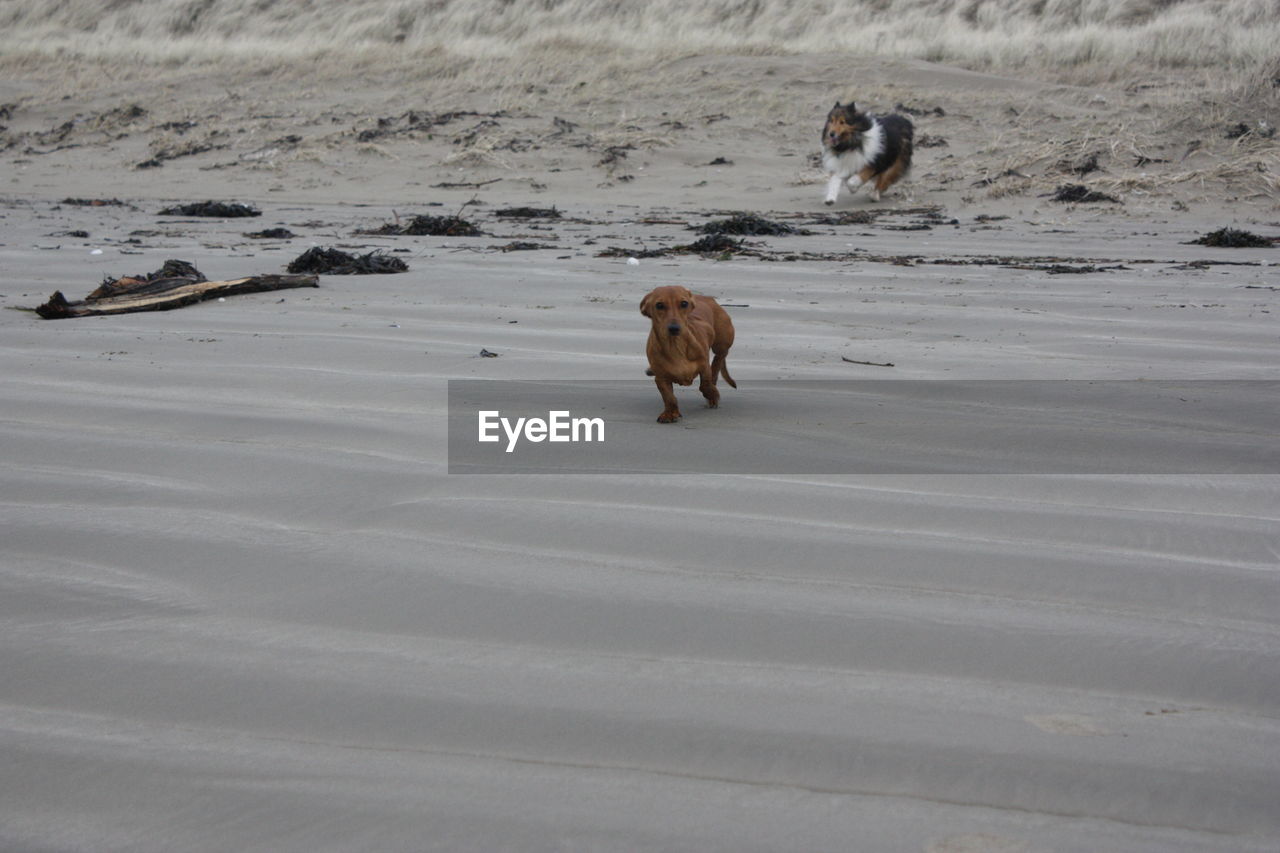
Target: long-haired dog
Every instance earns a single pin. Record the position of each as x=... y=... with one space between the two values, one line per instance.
x=857 y=147
x=685 y=332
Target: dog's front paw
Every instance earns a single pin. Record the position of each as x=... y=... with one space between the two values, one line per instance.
x=668 y=417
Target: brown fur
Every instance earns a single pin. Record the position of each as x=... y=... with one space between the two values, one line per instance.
x=890 y=175
x=844 y=127
x=686 y=330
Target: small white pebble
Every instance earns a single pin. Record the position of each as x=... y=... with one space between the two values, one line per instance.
x=222 y=299
x=635 y=262
x=96 y=252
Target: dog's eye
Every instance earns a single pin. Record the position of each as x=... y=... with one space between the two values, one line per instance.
x=684 y=303
x=661 y=306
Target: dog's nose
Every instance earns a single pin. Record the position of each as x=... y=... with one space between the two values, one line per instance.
x=673 y=328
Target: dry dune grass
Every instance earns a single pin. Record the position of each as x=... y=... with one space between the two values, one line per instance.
x=1125 y=158
x=1168 y=72
x=1083 y=40
x=1183 y=55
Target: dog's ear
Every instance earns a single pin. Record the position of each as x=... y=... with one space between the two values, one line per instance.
x=851 y=109
x=644 y=304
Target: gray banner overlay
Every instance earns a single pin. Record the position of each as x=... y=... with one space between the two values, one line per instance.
x=869 y=427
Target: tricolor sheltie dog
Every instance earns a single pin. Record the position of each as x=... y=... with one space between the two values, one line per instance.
x=857 y=147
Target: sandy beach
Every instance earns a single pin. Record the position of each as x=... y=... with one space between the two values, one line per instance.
x=246 y=604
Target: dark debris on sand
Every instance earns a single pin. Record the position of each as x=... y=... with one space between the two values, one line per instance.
x=1082 y=166
x=218 y=209
x=920 y=111
x=416 y=121
x=749 y=224
x=720 y=245
x=428 y=226
x=172 y=272
x=338 y=262
x=619 y=252
x=171 y=269
x=1240 y=129
x=527 y=213
x=271 y=234
x=188 y=149
x=523 y=246
x=1234 y=238
x=1065 y=269
x=991 y=179
x=1079 y=193
x=846 y=217
x=175 y=285
x=93 y=202
x=929 y=215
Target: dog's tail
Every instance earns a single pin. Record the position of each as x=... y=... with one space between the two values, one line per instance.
x=719 y=366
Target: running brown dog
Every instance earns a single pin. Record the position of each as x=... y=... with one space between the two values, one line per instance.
x=686 y=331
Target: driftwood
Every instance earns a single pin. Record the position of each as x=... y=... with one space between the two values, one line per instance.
x=163 y=294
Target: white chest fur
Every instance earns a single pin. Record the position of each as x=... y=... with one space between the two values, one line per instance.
x=845 y=165
x=851 y=162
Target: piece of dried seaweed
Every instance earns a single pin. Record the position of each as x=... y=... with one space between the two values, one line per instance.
x=748 y=224
x=528 y=213
x=171 y=270
x=428 y=226
x=523 y=246
x=712 y=243
x=620 y=252
x=847 y=217
x=219 y=209
x=1234 y=238
x=1079 y=193
x=337 y=262
x=920 y=111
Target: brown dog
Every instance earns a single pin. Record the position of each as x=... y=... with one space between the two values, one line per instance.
x=686 y=331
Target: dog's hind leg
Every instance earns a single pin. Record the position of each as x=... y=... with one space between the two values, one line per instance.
x=707 y=386
x=889 y=177
x=865 y=174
